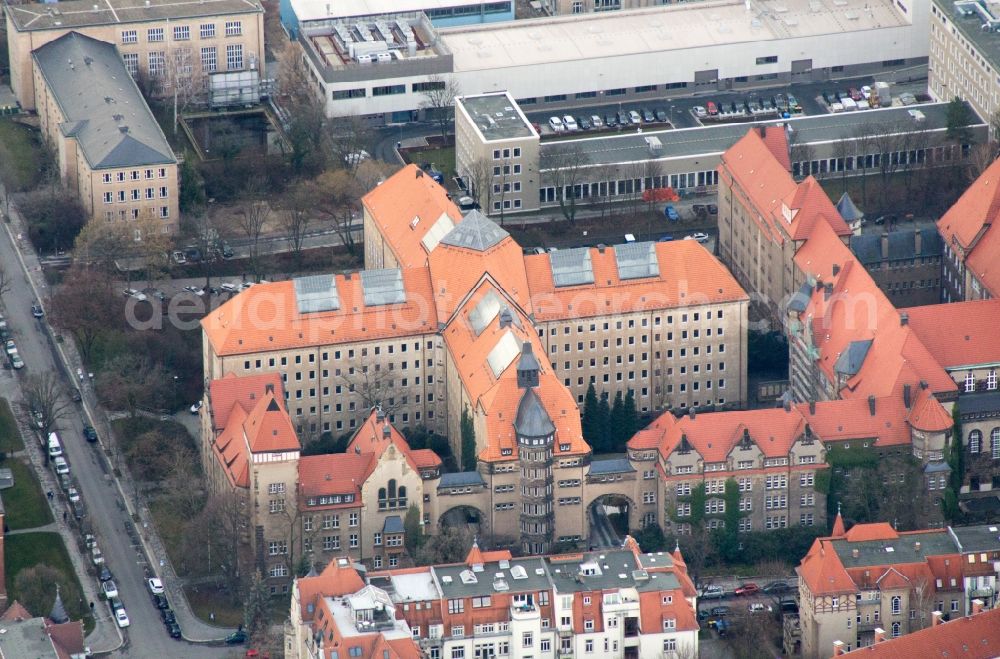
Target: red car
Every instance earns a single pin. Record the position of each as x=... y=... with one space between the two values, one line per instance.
x=712 y=110
x=856 y=95
x=748 y=588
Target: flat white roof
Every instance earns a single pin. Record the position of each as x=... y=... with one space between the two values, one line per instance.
x=312 y=10
x=344 y=619
x=669 y=28
x=415 y=587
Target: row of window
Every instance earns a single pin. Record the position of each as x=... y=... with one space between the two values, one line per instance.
x=182 y=32
x=976 y=442
x=628 y=186
x=134 y=195
x=133 y=175
x=970 y=381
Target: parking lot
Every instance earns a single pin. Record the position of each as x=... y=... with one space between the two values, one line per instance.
x=679 y=112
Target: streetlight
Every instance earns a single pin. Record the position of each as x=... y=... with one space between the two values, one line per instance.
x=672 y=117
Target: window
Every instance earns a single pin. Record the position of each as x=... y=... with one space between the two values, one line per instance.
x=770 y=59
x=896 y=605
x=131 y=61
x=234 y=28
x=279 y=570
x=388 y=90
x=209 y=59
x=353 y=519
x=157 y=63
x=130 y=36
x=991 y=380
x=954 y=605
x=109 y=197
x=970 y=382
x=154 y=34
x=669 y=644
x=277 y=547
x=588 y=646
x=277 y=506
x=353 y=539
x=975 y=441
x=456 y=605
x=182 y=32
x=526 y=639
x=995 y=443
x=207 y=30
x=234 y=56
x=895 y=629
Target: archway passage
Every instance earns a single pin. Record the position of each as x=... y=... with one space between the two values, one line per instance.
x=608 y=517
x=462 y=517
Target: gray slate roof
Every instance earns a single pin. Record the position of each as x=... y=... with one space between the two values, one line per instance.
x=102 y=106
x=610 y=466
x=849 y=362
x=874 y=552
x=393 y=524
x=475 y=231
x=800 y=300
x=460 y=479
x=847 y=209
x=977 y=538
x=902 y=245
x=34 y=16
x=986 y=402
x=532 y=420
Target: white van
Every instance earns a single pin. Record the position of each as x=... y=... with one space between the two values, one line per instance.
x=55 y=447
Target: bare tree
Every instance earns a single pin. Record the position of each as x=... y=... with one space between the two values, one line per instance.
x=209 y=228
x=980 y=158
x=182 y=81
x=375 y=386
x=253 y=214
x=564 y=166
x=216 y=541
x=132 y=382
x=44 y=402
x=5 y=280
x=85 y=305
x=305 y=126
x=478 y=176
x=336 y=196
x=295 y=218
x=350 y=140
x=843 y=150
x=439 y=101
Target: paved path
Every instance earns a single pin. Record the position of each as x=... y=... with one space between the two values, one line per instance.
x=110 y=501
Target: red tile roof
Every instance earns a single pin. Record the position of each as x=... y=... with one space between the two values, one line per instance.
x=338 y=578
x=230 y=449
x=405 y=207
x=339 y=473
x=16 y=612
x=242 y=390
x=960 y=333
x=688 y=275
x=969 y=228
x=266 y=318
x=371 y=438
x=928 y=414
x=969 y=637
x=873 y=531
x=268 y=428
x=823 y=572
x=851 y=418
x=810 y=206
x=838 y=527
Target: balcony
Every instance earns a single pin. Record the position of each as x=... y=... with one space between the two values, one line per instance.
x=373 y=620
x=523 y=611
x=985 y=593
x=868 y=626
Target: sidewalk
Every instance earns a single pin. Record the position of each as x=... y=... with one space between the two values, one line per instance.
x=194 y=630
x=105 y=637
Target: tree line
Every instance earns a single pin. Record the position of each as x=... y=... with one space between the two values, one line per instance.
x=607 y=427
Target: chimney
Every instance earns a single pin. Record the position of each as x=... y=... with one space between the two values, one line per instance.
x=379 y=414
x=923 y=384
x=916 y=546
x=879 y=635
x=787 y=405
x=386 y=431
x=854 y=553
x=506 y=319
x=812 y=406
x=935 y=618
x=827 y=290
x=871 y=405
x=269 y=388
x=885 y=246
x=918 y=243
x=977 y=606
x=906 y=396
x=836 y=269
x=420 y=173
x=904 y=319
x=691 y=413
x=838 y=648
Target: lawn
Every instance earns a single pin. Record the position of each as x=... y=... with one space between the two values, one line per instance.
x=22 y=145
x=170 y=525
x=10 y=436
x=206 y=599
x=443 y=159
x=24 y=504
x=30 y=549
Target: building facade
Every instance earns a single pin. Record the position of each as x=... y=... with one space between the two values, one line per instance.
x=111 y=151
x=963 y=60
x=159 y=41
x=904 y=263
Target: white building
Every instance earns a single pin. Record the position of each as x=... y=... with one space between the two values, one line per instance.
x=605 y=57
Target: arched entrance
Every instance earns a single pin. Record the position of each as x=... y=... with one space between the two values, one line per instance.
x=463 y=517
x=609 y=518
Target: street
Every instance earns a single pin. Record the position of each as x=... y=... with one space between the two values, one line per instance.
x=106 y=508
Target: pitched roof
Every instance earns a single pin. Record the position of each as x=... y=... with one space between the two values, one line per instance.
x=339 y=473
x=412 y=213
x=872 y=531
x=476 y=232
x=266 y=317
x=851 y=418
x=687 y=274
x=838 y=526
x=959 y=333
x=715 y=434
x=242 y=390
x=847 y=209
x=968 y=227
x=372 y=438
x=230 y=449
x=928 y=414
x=269 y=429
x=337 y=579
x=16 y=612
x=531 y=419
x=96 y=95
x=810 y=205
x=969 y=637
x=823 y=572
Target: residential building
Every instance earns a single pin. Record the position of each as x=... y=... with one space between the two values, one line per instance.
x=27 y=635
x=963 y=59
x=187 y=42
x=976 y=637
x=971 y=244
x=980 y=549
x=111 y=151
x=636 y=605
x=496 y=152
x=541 y=62
x=904 y=263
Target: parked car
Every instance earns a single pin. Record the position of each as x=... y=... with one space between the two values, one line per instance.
x=700 y=237
x=109 y=589
x=233 y=288
x=138 y=295
x=623 y=118
x=776 y=587
x=757 y=607
x=829 y=97
x=661 y=116
x=60 y=465
x=665 y=239
x=157 y=293
x=16 y=361
x=116 y=604
x=648 y=116
x=196 y=407
x=671 y=213
x=556 y=124
x=700 y=210
x=610 y=120
x=866 y=92
x=634 y=117
x=178 y=257
x=712 y=591
x=570 y=123
x=196 y=290
x=711 y=109
x=96 y=556
x=122 y=618
x=167 y=615
x=36 y=311
x=699 y=111
x=237 y=637
x=595 y=121
x=174 y=630
x=75 y=394
x=160 y=601
x=713 y=209
x=155 y=586
x=718 y=611
x=90 y=434
x=906 y=98
x=856 y=94
x=105 y=574
x=793 y=104
x=749 y=588
x=73 y=495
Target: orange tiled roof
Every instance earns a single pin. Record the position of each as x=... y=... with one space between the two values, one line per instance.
x=715 y=434
x=406 y=196
x=838 y=527
x=67 y=638
x=968 y=227
x=424 y=458
x=776 y=142
x=689 y=275
x=652 y=613
x=339 y=473
x=928 y=414
x=959 y=333
x=370 y=438
x=823 y=572
x=266 y=317
x=969 y=637
x=230 y=449
x=244 y=390
x=268 y=428
x=474 y=557
x=872 y=531
x=851 y=418
x=811 y=206
x=334 y=581
x=16 y=612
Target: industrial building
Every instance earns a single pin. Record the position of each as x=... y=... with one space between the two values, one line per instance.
x=604 y=57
